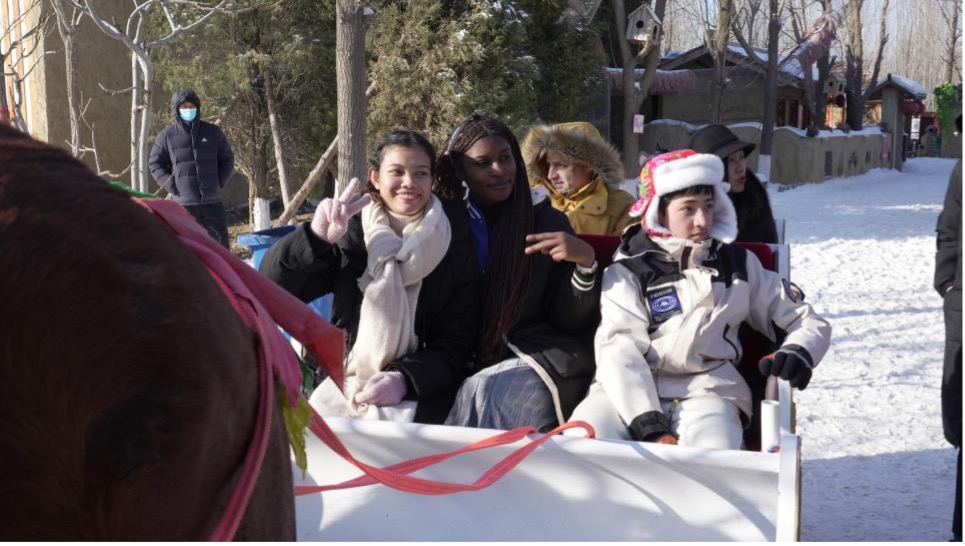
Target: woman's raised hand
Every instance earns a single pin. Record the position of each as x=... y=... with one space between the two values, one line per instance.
x=561 y=246
x=331 y=217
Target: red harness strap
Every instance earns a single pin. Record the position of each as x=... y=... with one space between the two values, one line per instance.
x=396 y=476
x=261 y=304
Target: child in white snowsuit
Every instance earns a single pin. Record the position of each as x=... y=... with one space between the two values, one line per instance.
x=672 y=305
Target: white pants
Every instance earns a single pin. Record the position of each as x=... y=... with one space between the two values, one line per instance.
x=704 y=421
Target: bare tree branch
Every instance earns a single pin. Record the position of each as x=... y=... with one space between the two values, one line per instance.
x=113 y=92
x=882 y=42
x=177 y=30
x=751 y=54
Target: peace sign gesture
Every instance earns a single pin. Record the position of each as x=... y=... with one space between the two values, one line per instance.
x=331 y=217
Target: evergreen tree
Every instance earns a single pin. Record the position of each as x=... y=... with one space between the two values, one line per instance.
x=437 y=62
x=569 y=58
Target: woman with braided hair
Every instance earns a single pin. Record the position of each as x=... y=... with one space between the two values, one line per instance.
x=540 y=293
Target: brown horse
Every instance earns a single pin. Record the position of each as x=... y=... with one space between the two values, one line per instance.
x=128 y=385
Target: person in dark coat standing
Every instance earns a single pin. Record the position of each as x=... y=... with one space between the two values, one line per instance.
x=755 y=221
x=948 y=283
x=191 y=158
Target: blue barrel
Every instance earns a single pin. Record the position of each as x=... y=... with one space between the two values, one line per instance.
x=259 y=241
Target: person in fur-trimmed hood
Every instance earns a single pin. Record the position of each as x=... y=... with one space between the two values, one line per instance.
x=581 y=171
x=672 y=304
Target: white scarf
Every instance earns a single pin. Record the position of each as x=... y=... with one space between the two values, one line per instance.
x=390 y=290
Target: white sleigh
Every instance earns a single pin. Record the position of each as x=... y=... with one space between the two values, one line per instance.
x=570 y=488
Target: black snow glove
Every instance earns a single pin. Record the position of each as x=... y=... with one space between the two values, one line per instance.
x=791 y=362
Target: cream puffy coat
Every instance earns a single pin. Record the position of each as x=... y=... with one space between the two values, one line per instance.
x=671 y=313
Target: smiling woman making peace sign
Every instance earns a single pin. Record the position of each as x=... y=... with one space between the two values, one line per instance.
x=400 y=264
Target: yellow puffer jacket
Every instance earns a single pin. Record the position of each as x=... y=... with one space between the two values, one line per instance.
x=595 y=209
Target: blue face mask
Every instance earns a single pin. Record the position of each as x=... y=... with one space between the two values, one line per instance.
x=188 y=114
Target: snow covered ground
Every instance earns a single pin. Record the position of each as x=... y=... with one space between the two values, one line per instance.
x=876 y=465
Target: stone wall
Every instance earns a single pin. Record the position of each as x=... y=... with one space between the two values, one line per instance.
x=667 y=134
x=799 y=159
x=796 y=158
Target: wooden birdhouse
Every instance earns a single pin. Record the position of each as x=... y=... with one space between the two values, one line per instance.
x=833 y=85
x=643 y=26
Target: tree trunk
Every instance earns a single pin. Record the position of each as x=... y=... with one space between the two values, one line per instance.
x=820 y=96
x=351 y=83
x=824 y=64
x=17 y=112
x=882 y=41
x=259 y=182
x=275 y=124
x=73 y=91
x=770 y=90
x=136 y=91
x=632 y=96
x=717 y=99
x=147 y=67
x=630 y=143
x=68 y=35
x=952 y=48
x=854 y=52
x=4 y=106
x=721 y=34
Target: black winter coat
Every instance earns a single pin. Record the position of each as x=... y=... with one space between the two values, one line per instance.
x=948 y=259
x=193 y=161
x=755 y=221
x=447 y=311
x=557 y=320
x=948 y=283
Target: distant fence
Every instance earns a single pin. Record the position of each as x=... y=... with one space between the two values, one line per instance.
x=796 y=158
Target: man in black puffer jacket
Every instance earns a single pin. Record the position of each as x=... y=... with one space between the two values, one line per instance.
x=192 y=160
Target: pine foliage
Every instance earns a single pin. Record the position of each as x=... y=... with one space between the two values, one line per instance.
x=437 y=62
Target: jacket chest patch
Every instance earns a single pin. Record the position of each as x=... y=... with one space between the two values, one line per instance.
x=663 y=304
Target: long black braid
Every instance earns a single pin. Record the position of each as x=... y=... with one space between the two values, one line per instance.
x=507 y=268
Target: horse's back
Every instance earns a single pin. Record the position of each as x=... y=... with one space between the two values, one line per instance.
x=129 y=384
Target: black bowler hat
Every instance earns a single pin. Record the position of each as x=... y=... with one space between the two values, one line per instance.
x=720 y=141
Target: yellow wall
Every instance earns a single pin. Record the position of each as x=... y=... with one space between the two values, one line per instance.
x=100 y=60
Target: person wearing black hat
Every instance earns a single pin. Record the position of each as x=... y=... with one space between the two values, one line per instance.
x=755 y=221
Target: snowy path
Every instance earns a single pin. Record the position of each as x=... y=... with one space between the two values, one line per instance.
x=876 y=465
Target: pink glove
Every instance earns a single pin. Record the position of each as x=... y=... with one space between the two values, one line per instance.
x=383 y=389
x=331 y=217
